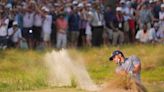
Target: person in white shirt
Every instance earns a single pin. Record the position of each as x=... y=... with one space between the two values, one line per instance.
x=161 y=14
x=46 y=27
x=28 y=21
x=37 y=28
x=3 y=32
x=144 y=35
x=15 y=34
x=97 y=26
x=153 y=31
x=160 y=32
x=126 y=15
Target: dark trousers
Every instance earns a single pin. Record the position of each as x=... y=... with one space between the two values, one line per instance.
x=3 y=40
x=97 y=33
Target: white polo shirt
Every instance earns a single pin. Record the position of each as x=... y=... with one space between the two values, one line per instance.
x=161 y=15
x=47 y=22
x=38 y=20
x=144 y=37
x=3 y=28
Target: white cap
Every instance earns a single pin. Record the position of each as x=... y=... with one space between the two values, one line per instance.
x=150 y=1
x=32 y=1
x=162 y=5
x=128 y=3
x=122 y=1
x=6 y=22
x=80 y=5
x=88 y=4
x=45 y=9
x=56 y=4
x=15 y=23
x=8 y=5
x=75 y=2
x=90 y=13
x=118 y=9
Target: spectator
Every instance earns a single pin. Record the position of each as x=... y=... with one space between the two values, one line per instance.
x=37 y=28
x=62 y=25
x=10 y=14
x=108 y=16
x=88 y=30
x=15 y=35
x=54 y=30
x=153 y=32
x=144 y=35
x=82 y=26
x=88 y=33
x=156 y=8
x=3 y=32
x=28 y=21
x=19 y=16
x=161 y=13
x=46 y=28
x=160 y=33
x=97 y=24
x=117 y=27
x=145 y=16
x=126 y=16
x=73 y=21
x=132 y=24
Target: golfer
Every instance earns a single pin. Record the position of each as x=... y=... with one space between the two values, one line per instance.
x=128 y=66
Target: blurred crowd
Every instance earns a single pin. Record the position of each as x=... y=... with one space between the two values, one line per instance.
x=79 y=23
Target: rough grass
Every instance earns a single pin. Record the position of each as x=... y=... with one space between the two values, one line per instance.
x=22 y=70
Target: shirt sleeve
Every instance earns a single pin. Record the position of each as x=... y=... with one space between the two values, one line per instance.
x=20 y=33
x=161 y=16
x=150 y=34
x=10 y=31
x=138 y=34
x=135 y=60
x=48 y=17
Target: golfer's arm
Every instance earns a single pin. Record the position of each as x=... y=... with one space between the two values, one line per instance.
x=137 y=68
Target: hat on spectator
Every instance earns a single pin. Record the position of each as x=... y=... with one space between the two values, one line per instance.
x=8 y=5
x=122 y=1
x=15 y=23
x=56 y=4
x=151 y=1
x=88 y=4
x=118 y=9
x=90 y=13
x=128 y=3
x=75 y=2
x=32 y=1
x=45 y=9
x=6 y=22
x=116 y=52
x=155 y=0
x=80 y=5
x=162 y=5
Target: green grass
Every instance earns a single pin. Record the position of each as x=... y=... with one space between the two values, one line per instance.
x=22 y=70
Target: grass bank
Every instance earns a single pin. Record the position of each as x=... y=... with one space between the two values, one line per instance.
x=22 y=70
